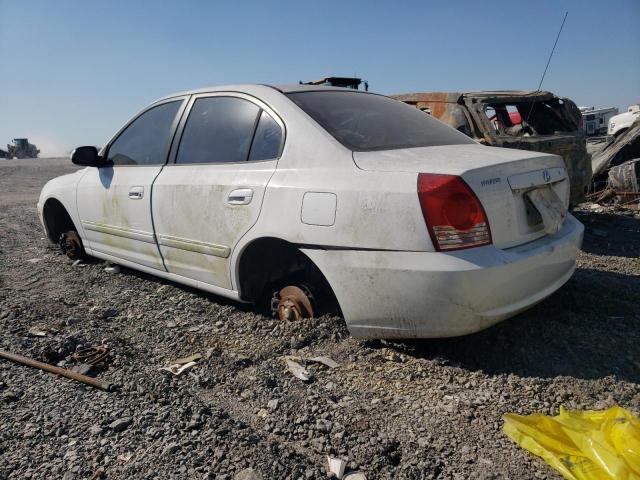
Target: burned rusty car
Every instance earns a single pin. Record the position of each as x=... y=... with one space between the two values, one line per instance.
x=538 y=121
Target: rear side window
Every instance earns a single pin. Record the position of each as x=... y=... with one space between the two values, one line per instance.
x=366 y=122
x=267 y=141
x=218 y=130
x=146 y=140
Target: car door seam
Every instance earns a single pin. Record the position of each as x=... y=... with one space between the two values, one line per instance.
x=186 y=101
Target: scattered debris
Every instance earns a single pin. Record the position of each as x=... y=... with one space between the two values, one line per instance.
x=94 y=382
x=298 y=365
x=112 y=269
x=191 y=358
x=325 y=361
x=78 y=263
x=182 y=364
x=296 y=368
x=337 y=466
x=177 y=369
x=355 y=476
x=623 y=148
x=581 y=444
x=624 y=180
x=91 y=356
x=37 y=332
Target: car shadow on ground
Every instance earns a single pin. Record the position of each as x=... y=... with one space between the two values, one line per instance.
x=561 y=336
x=566 y=335
x=159 y=282
x=611 y=235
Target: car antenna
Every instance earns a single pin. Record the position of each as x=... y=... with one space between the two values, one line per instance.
x=547 y=66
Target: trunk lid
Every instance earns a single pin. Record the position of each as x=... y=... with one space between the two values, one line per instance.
x=570 y=146
x=501 y=179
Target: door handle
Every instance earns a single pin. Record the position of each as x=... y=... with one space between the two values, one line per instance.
x=136 y=193
x=241 y=196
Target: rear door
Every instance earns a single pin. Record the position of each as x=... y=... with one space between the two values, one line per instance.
x=114 y=201
x=211 y=193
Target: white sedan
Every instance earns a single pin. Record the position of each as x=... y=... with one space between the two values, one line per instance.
x=304 y=199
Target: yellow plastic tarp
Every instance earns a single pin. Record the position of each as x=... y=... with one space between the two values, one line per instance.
x=589 y=445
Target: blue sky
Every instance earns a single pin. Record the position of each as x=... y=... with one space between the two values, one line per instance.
x=73 y=72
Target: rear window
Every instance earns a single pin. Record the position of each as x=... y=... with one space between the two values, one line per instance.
x=529 y=118
x=364 y=122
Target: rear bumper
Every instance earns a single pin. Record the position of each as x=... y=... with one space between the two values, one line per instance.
x=386 y=294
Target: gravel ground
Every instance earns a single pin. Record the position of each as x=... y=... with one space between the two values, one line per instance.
x=401 y=410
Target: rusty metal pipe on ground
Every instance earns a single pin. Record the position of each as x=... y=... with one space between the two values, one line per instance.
x=94 y=382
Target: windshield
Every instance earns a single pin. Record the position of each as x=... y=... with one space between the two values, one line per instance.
x=363 y=122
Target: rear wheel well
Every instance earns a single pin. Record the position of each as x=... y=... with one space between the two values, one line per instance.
x=269 y=264
x=56 y=219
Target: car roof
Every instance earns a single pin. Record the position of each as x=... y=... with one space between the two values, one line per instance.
x=538 y=94
x=251 y=86
x=313 y=88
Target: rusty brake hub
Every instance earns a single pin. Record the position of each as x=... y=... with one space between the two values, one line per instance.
x=292 y=303
x=71 y=244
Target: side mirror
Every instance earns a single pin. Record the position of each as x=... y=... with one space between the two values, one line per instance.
x=87 y=156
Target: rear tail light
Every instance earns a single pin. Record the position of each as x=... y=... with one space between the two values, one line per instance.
x=453 y=214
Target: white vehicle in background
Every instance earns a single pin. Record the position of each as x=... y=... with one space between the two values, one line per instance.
x=323 y=195
x=622 y=122
x=595 y=120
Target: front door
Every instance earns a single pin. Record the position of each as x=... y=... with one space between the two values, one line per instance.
x=114 y=201
x=210 y=195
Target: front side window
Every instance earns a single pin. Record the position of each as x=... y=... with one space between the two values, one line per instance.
x=366 y=122
x=218 y=130
x=146 y=140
